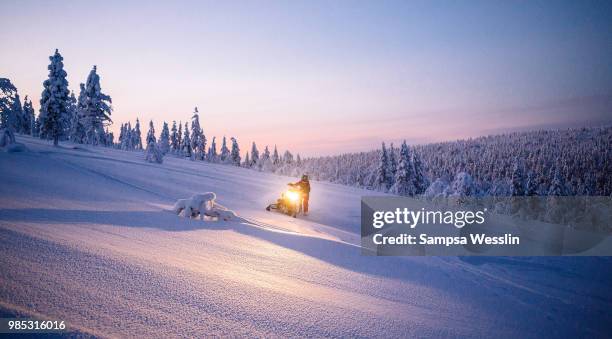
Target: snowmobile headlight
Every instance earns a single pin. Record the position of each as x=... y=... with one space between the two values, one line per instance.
x=293 y=196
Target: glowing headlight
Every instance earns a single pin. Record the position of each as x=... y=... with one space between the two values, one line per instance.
x=293 y=196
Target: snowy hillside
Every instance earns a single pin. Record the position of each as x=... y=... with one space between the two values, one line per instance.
x=86 y=236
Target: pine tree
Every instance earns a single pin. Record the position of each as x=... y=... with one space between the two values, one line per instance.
x=17 y=113
x=198 y=140
x=235 y=153
x=557 y=186
x=54 y=101
x=532 y=185
x=164 y=139
x=254 y=155
x=151 y=134
x=8 y=96
x=288 y=158
x=174 y=139
x=186 y=150
x=136 y=136
x=212 y=151
x=382 y=172
x=247 y=161
x=404 y=176
x=266 y=154
x=225 y=152
x=77 y=129
x=179 y=138
x=275 y=157
x=392 y=165
x=517 y=180
x=29 y=118
x=97 y=109
x=420 y=180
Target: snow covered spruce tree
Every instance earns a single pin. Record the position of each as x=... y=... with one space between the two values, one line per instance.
x=136 y=136
x=225 y=152
x=10 y=112
x=174 y=139
x=76 y=131
x=179 y=138
x=96 y=111
x=404 y=176
x=275 y=157
x=517 y=180
x=392 y=167
x=164 y=139
x=151 y=134
x=254 y=156
x=247 y=161
x=186 y=150
x=420 y=179
x=54 y=100
x=198 y=140
x=153 y=153
x=29 y=118
x=235 y=153
x=212 y=151
x=382 y=181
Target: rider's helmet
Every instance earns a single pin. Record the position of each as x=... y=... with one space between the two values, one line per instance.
x=305 y=177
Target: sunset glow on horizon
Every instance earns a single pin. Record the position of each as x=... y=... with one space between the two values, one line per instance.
x=322 y=78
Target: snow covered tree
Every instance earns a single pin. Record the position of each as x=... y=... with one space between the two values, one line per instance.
x=29 y=118
x=8 y=96
x=186 y=150
x=179 y=138
x=153 y=153
x=151 y=134
x=174 y=138
x=198 y=140
x=382 y=181
x=275 y=157
x=164 y=139
x=254 y=155
x=54 y=100
x=136 y=136
x=266 y=154
x=212 y=151
x=462 y=186
x=225 y=152
x=404 y=176
x=517 y=180
x=557 y=186
x=96 y=109
x=17 y=114
x=288 y=157
x=392 y=167
x=532 y=185
x=420 y=180
x=247 y=161
x=235 y=153
x=78 y=133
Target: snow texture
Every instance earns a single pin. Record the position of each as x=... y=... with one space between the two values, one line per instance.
x=99 y=247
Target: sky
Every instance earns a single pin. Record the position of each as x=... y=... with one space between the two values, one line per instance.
x=326 y=77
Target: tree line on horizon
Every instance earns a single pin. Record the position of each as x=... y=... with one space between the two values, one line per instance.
x=538 y=163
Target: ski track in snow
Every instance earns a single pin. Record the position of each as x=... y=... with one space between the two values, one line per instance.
x=86 y=236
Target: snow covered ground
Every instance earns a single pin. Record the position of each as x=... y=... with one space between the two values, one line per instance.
x=87 y=236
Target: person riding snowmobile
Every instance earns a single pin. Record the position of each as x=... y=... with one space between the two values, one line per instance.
x=304 y=186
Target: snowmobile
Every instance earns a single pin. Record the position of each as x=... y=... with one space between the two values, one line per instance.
x=290 y=201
